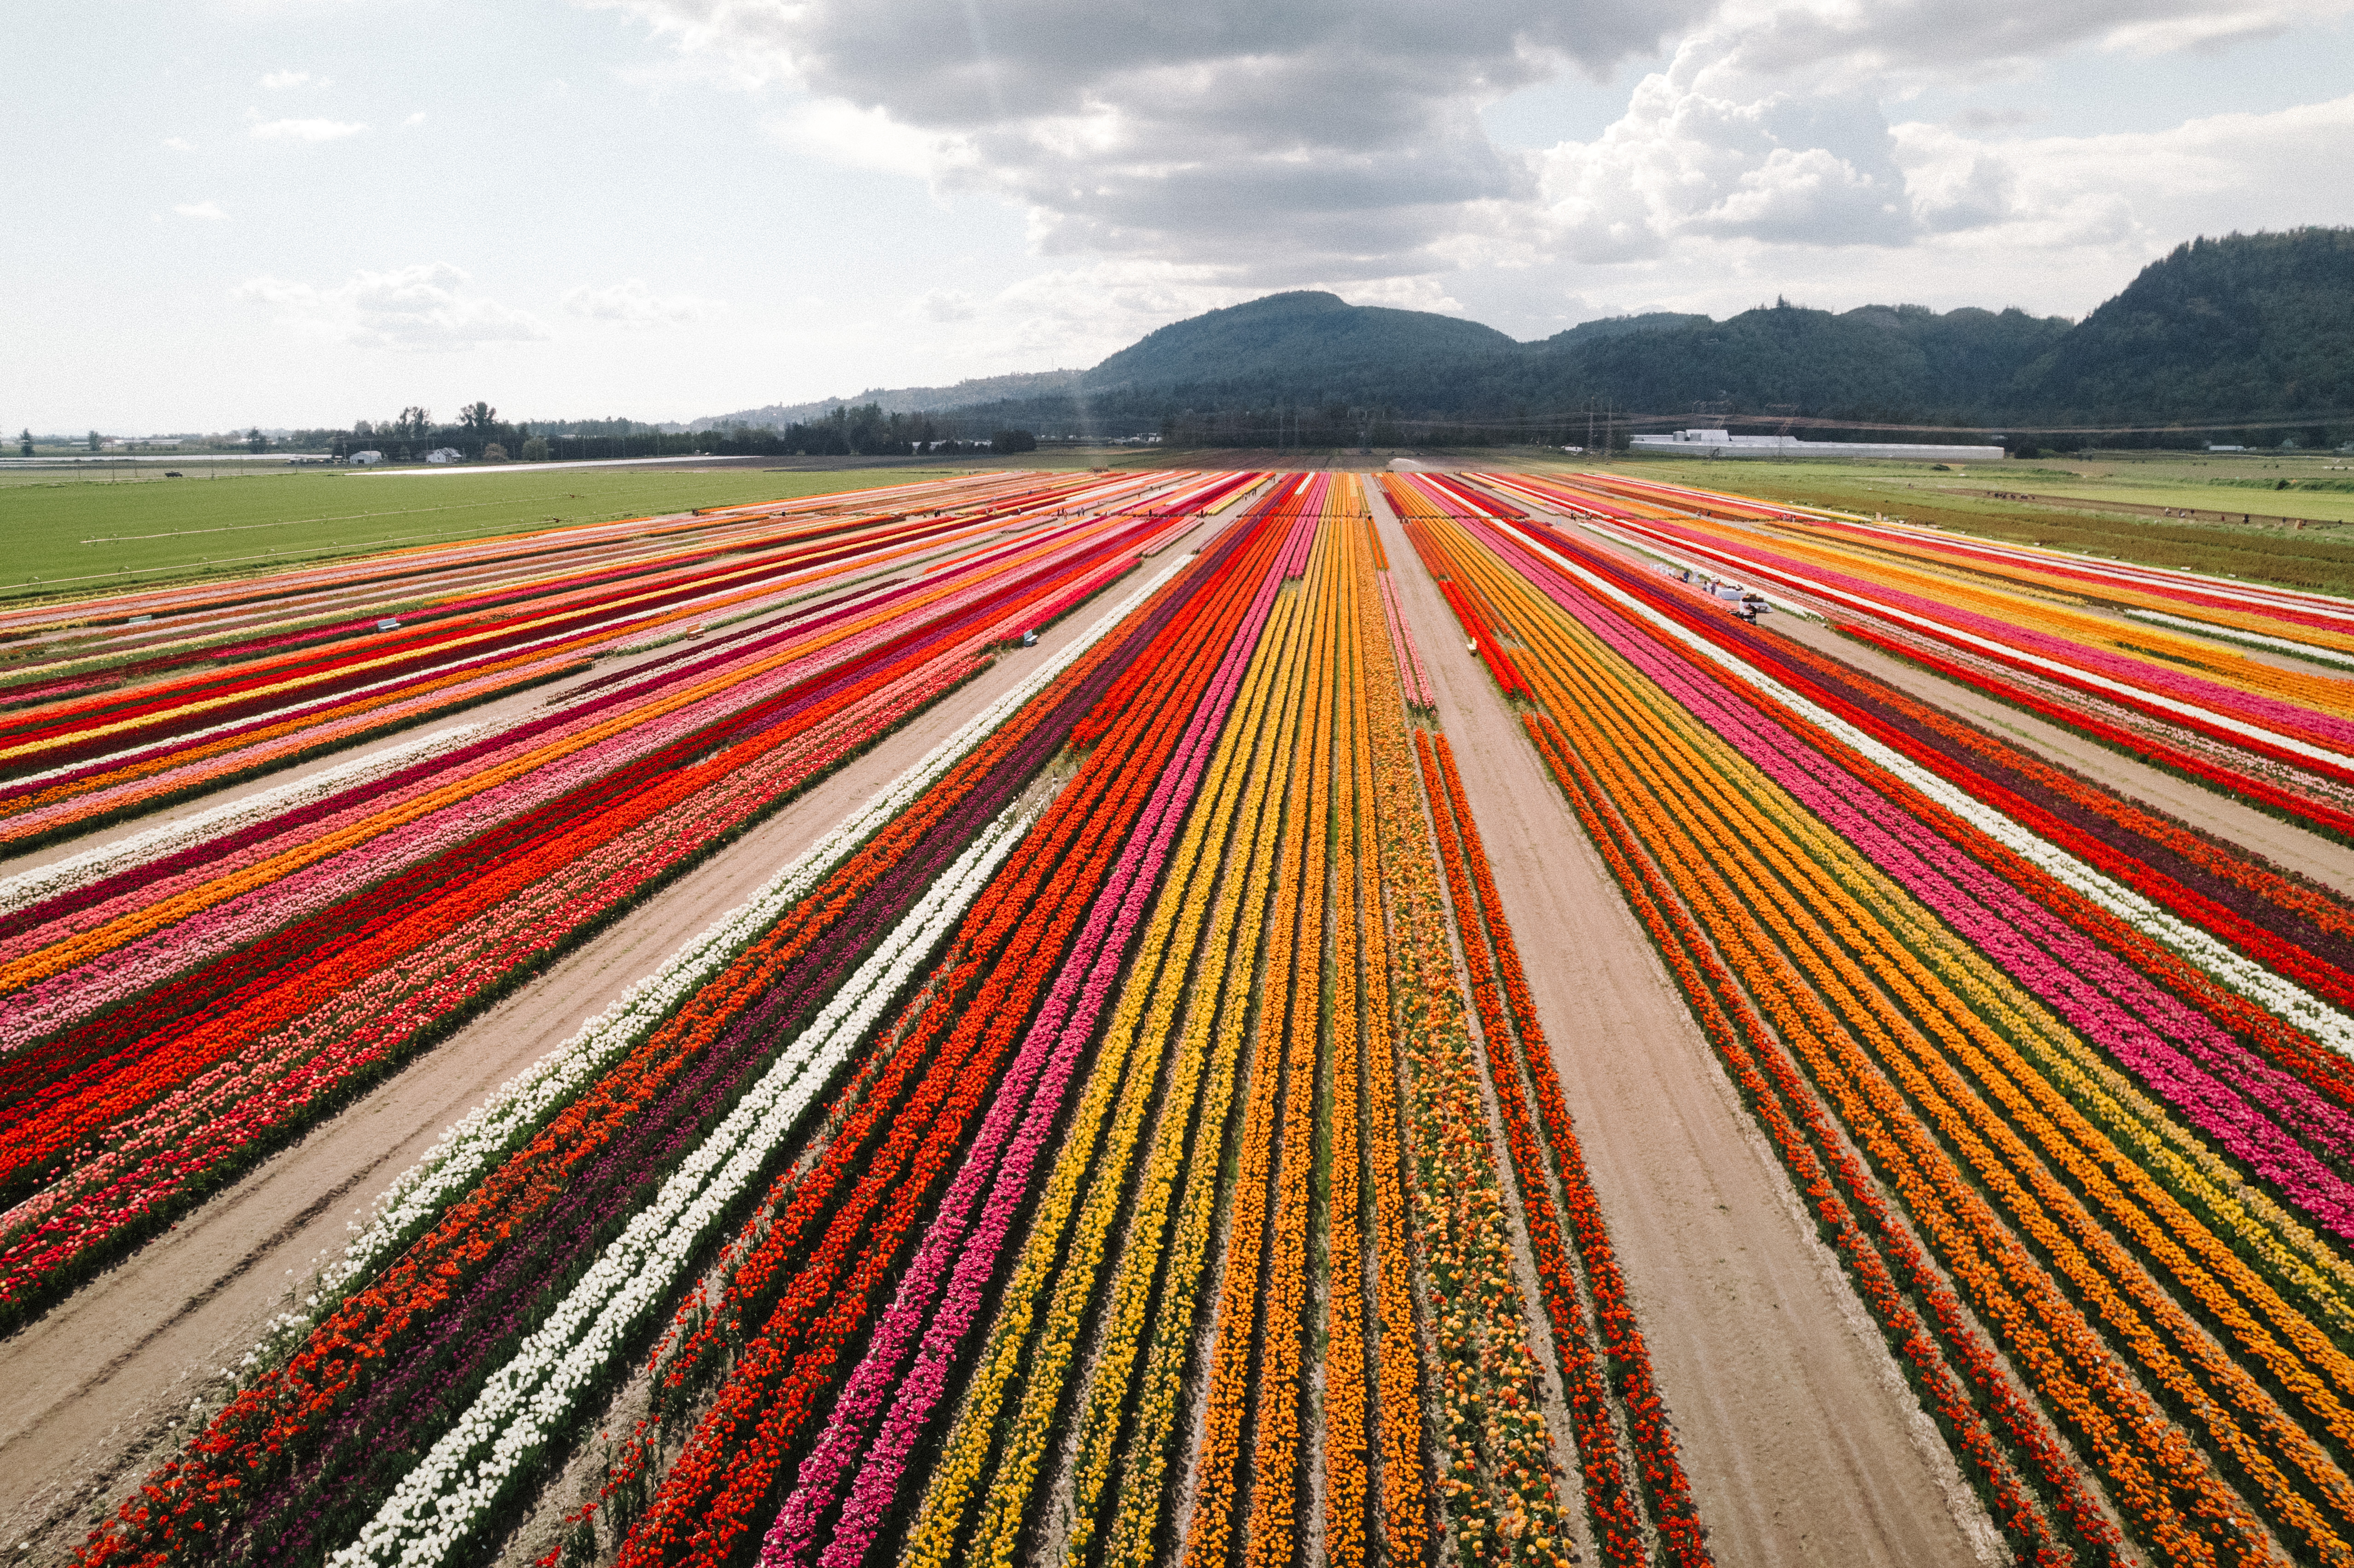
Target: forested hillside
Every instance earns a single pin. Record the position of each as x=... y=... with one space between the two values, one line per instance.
x=2254 y=325
x=2247 y=327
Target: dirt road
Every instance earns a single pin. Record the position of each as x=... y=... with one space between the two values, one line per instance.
x=1803 y=1444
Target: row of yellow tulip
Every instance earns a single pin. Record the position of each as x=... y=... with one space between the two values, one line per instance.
x=1181 y=1182
x=1918 y=1050
x=1496 y=1465
x=1061 y=1261
x=1255 y=1358
x=1380 y=729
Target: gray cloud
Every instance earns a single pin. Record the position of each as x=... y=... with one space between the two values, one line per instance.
x=1263 y=142
x=1244 y=145
x=1941 y=38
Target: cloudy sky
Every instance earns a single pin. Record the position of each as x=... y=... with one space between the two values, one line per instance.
x=297 y=212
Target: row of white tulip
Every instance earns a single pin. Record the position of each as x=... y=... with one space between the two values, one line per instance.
x=618 y=626
x=30 y=886
x=2225 y=633
x=460 y=1478
x=524 y=1102
x=2279 y=995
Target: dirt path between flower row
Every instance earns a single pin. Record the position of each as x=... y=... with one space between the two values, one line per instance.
x=1803 y=1444
x=92 y=1389
x=2284 y=844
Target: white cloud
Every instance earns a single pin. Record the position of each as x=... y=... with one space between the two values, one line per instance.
x=1176 y=134
x=1077 y=315
x=305 y=130
x=863 y=139
x=632 y=304
x=2053 y=223
x=1770 y=125
x=1174 y=159
x=426 y=307
x=413 y=121
x=1172 y=133
x=178 y=144
x=1405 y=294
x=945 y=306
x=1890 y=42
x=204 y=209
x=280 y=80
x=2144 y=188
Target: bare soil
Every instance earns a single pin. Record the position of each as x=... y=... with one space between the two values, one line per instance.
x=1802 y=1442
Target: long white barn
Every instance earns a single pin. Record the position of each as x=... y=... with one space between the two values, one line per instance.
x=1724 y=443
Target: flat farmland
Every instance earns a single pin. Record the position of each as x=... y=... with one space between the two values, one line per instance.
x=1370 y=1014
x=70 y=535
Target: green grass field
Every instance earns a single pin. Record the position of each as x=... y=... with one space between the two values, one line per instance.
x=74 y=536
x=87 y=536
x=2320 y=559
x=2312 y=505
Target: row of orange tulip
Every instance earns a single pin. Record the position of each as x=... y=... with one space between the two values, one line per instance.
x=1403 y=1504
x=988 y=1460
x=1184 y=1177
x=2300 y=1362
x=1517 y=1045
x=1774 y=887
x=1271 y=1203
x=1960 y=1379
x=1496 y=1465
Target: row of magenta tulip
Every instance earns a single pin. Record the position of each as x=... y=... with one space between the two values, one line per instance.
x=1071 y=1233
x=126 y=637
x=2193 y=704
x=2027 y=1476
x=978 y=1149
x=239 y=680
x=890 y=1396
x=426 y=1331
x=1128 y=1454
x=784 y=565
x=2203 y=679
x=1902 y=1118
x=167 y=916
x=424 y=948
x=825 y=1263
x=2274 y=1121
x=2123 y=990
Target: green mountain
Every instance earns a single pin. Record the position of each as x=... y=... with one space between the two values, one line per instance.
x=2220 y=331
x=1312 y=352
x=1285 y=337
x=1878 y=362
x=2250 y=325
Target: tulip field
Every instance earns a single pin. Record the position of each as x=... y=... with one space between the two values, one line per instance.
x=2065 y=1083
x=1137 y=1132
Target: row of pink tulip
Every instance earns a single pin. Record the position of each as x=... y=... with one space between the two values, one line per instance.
x=950 y=1274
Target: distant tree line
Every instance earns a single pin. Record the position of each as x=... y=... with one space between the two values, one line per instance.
x=2250 y=335
x=1282 y=426
x=480 y=435
x=865 y=430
